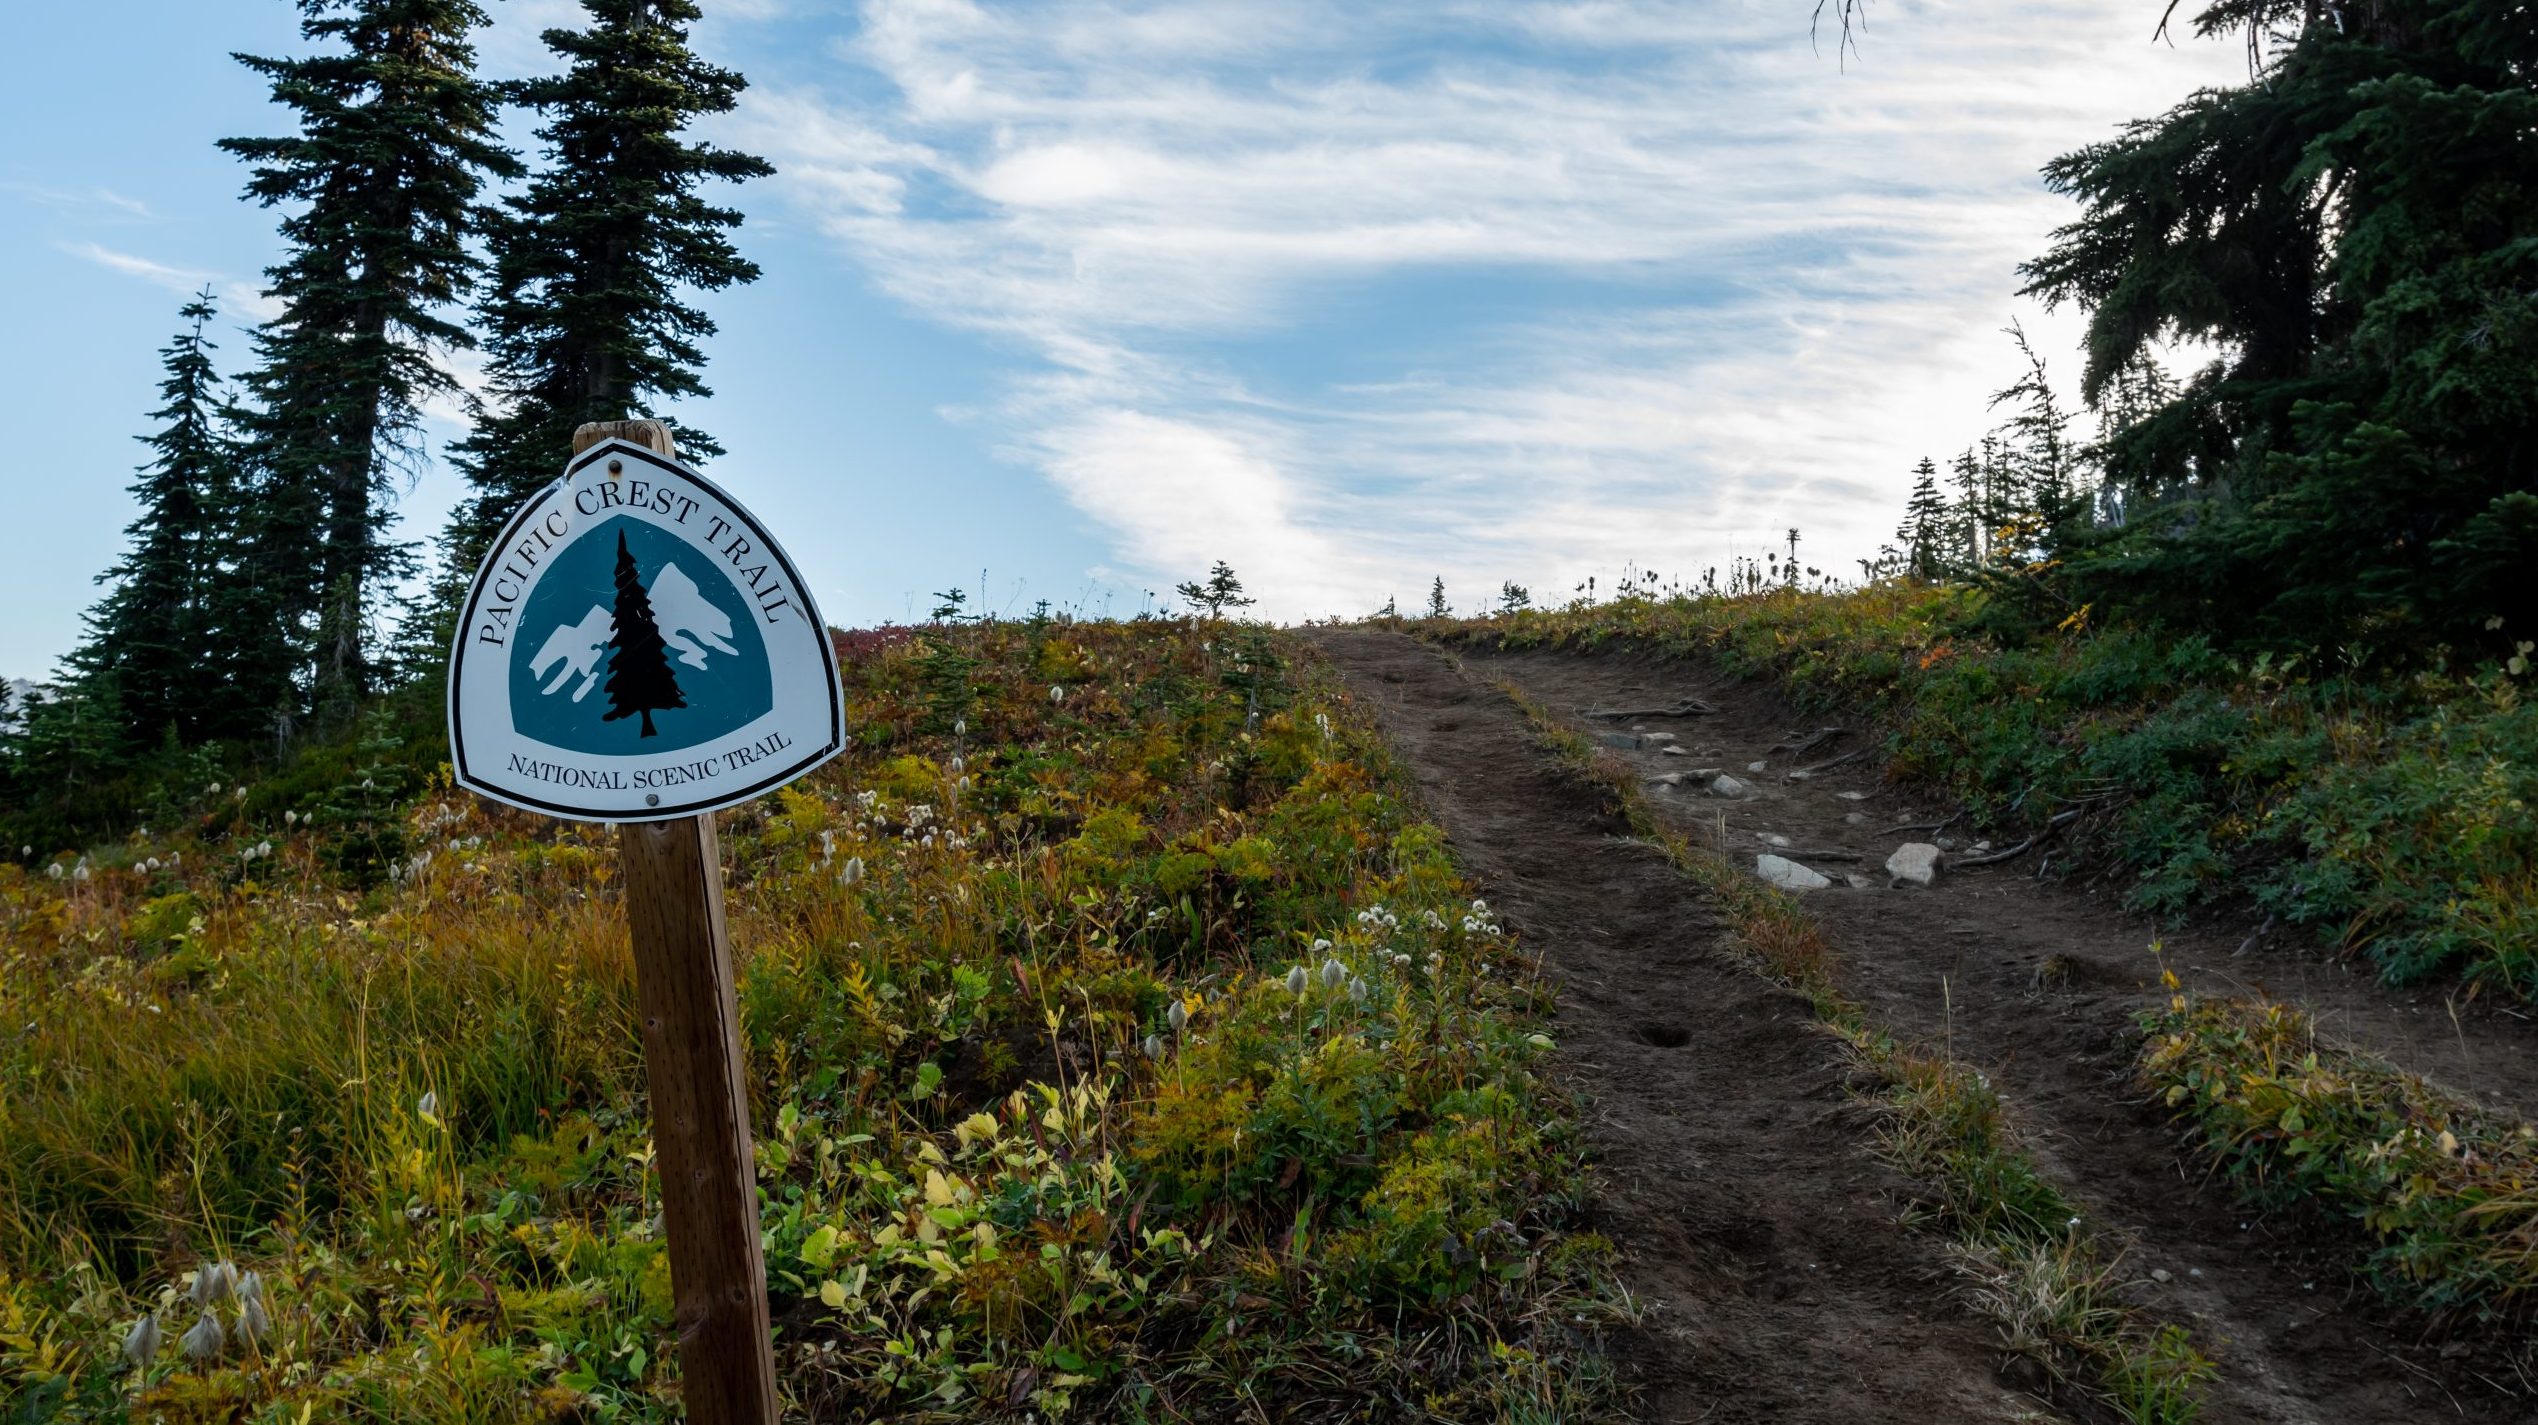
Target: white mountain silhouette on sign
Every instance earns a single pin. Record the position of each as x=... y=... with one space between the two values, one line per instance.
x=689 y=624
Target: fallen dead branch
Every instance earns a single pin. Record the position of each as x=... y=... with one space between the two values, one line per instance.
x=1681 y=707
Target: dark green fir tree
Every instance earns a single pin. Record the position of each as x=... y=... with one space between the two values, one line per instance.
x=153 y=636
x=395 y=136
x=585 y=318
x=640 y=682
x=1927 y=536
x=2354 y=232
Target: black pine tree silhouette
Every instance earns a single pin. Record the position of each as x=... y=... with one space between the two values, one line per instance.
x=639 y=676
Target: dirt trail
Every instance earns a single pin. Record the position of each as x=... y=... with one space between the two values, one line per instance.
x=1789 y=1290
x=1764 y=1243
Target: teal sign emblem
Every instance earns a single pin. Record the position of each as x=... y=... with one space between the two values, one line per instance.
x=635 y=647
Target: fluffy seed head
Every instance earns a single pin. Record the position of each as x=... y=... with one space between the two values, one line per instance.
x=205 y=1340
x=141 y=1343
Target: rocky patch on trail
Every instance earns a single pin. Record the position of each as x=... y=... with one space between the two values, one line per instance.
x=1915 y=863
x=1790 y=875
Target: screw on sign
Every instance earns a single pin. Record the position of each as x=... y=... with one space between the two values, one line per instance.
x=638 y=650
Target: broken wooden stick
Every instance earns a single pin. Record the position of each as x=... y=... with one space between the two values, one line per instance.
x=1802 y=773
x=1684 y=707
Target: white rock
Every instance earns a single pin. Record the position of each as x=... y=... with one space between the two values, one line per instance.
x=1670 y=750
x=1859 y=882
x=1788 y=874
x=1771 y=838
x=1756 y=766
x=1914 y=863
x=1857 y=818
x=1658 y=737
x=1852 y=796
x=1727 y=786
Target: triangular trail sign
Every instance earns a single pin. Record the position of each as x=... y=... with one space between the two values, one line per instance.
x=638 y=647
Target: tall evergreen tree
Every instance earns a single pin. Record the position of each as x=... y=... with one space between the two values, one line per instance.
x=583 y=317
x=395 y=138
x=1925 y=536
x=1965 y=512
x=152 y=635
x=2038 y=485
x=2356 y=230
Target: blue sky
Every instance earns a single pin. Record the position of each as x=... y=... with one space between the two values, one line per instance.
x=1086 y=295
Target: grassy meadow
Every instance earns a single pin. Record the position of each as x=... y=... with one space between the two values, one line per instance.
x=1121 y=1042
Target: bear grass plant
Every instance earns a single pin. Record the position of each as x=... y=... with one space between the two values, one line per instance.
x=2390 y=811
x=1122 y=1048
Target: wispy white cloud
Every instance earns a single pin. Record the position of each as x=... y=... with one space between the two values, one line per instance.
x=92 y=202
x=1647 y=280
x=242 y=300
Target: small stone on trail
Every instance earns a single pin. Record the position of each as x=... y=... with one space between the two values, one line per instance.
x=1914 y=863
x=1852 y=796
x=2160 y=1274
x=1657 y=737
x=1857 y=818
x=1982 y=846
x=1772 y=838
x=1756 y=766
x=1859 y=882
x=1671 y=750
x=1788 y=874
x=1727 y=786
x=1947 y=843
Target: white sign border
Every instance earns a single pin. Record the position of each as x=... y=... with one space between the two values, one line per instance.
x=767 y=544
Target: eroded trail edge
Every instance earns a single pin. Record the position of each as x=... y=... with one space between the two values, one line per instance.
x=1764 y=1242
x=2038 y=989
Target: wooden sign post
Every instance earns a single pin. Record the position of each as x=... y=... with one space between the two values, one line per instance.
x=634 y=575
x=690 y=1003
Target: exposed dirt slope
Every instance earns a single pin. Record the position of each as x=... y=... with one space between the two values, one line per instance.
x=1765 y=1243
x=2039 y=984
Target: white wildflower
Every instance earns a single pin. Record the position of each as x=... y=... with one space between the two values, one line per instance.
x=958 y=764
x=1332 y=973
x=1154 y=1046
x=1357 y=989
x=54 y=870
x=253 y=1321
x=1056 y=693
x=428 y=1107
x=1296 y=980
x=1178 y=1016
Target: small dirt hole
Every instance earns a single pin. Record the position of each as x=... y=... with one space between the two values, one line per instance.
x=1665 y=1036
